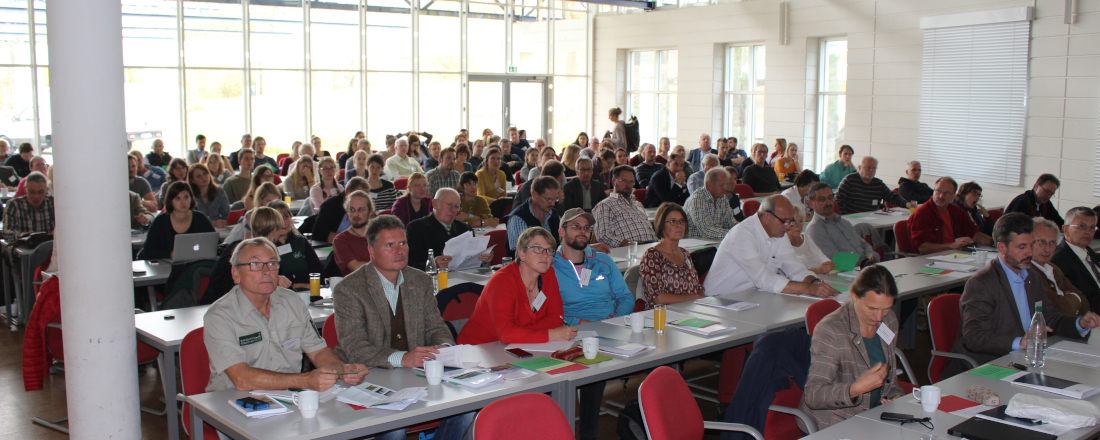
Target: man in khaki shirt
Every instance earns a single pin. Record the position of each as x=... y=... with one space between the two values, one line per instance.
x=256 y=334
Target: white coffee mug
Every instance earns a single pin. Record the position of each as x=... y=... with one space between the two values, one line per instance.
x=308 y=401
x=333 y=281
x=591 y=346
x=980 y=257
x=433 y=370
x=304 y=296
x=637 y=322
x=928 y=396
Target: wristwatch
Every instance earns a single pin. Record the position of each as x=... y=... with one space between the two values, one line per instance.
x=816 y=280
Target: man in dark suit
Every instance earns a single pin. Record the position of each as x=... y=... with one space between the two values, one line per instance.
x=433 y=231
x=583 y=192
x=1079 y=262
x=668 y=185
x=999 y=300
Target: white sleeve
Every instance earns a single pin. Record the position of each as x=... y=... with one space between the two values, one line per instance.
x=755 y=266
x=788 y=261
x=817 y=256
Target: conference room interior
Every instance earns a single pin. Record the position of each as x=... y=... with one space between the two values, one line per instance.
x=817 y=73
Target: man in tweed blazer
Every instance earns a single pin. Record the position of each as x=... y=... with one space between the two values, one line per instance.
x=387 y=317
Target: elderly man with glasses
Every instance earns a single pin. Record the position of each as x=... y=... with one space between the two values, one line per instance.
x=1060 y=291
x=939 y=225
x=757 y=254
x=433 y=231
x=831 y=232
x=1074 y=256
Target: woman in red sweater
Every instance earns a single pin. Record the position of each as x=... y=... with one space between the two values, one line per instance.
x=521 y=303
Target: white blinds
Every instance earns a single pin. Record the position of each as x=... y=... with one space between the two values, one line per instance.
x=1096 y=170
x=973 y=101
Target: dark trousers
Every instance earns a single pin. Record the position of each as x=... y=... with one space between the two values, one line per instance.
x=590 y=401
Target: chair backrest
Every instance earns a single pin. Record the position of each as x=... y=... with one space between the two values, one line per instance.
x=278 y=180
x=499 y=237
x=943 y=323
x=633 y=279
x=995 y=214
x=385 y=212
x=639 y=195
x=280 y=157
x=501 y=207
x=750 y=207
x=534 y=415
x=401 y=183
x=744 y=191
x=519 y=180
x=340 y=174
x=901 y=234
x=328 y=331
x=819 y=310
x=235 y=217
x=669 y=410
x=891 y=205
x=194 y=370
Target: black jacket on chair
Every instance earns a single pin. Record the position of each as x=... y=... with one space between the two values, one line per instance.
x=1078 y=274
x=574 y=193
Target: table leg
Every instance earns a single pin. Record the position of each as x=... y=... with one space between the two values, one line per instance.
x=28 y=288
x=5 y=276
x=196 y=425
x=152 y=298
x=567 y=400
x=168 y=379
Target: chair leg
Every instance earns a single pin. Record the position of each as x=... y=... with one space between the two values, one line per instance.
x=52 y=424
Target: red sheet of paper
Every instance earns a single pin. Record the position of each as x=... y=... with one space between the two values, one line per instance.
x=955 y=403
x=356 y=407
x=568 y=368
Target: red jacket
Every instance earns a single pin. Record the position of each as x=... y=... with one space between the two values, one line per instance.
x=36 y=358
x=926 y=226
x=504 y=314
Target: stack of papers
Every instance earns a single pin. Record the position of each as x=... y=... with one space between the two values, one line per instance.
x=725 y=303
x=549 y=365
x=379 y=397
x=692 y=243
x=288 y=396
x=955 y=267
x=1037 y=381
x=464 y=250
x=622 y=348
x=934 y=272
x=954 y=258
x=701 y=326
x=473 y=378
x=998 y=415
x=552 y=346
x=274 y=408
x=1074 y=353
x=451 y=356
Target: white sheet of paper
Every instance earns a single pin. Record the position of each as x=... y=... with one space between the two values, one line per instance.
x=464 y=250
x=451 y=356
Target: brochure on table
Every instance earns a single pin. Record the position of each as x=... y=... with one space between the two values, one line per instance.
x=274 y=408
x=375 y=396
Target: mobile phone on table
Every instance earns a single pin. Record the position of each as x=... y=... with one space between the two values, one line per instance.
x=519 y=353
x=895 y=417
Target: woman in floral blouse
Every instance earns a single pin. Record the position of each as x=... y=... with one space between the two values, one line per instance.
x=666 y=268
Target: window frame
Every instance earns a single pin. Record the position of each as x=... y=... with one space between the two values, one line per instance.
x=821 y=160
x=660 y=55
x=727 y=94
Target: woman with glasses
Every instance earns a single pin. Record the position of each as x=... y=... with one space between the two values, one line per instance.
x=179 y=218
x=804 y=248
x=327 y=186
x=849 y=375
x=218 y=167
x=177 y=172
x=666 y=268
x=474 y=209
x=521 y=302
x=969 y=198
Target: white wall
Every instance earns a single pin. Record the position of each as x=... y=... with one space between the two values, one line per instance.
x=884 y=68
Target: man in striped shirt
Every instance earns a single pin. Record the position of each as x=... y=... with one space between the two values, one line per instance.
x=861 y=191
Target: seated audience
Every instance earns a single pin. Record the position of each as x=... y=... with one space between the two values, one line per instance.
x=911 y=187
x=757 y=254
x=759 y=175
x=327 y=186
x=1036 y=201
x=798 y=192
x=350 y=248
x=261 y=176
x=537 y=211
x=1059 y=290
x=862 y=191
x=736 y=155
x=38 y=163
x=569 y=160
x=179 y=218
x=583 y=192
x=177 y=172
x=302 y=177
x=210 y=199
x=381 y=190
x=475 y=209
x=788 y=163
x=1074 y=256
x=695 y=181
x=668 y=185
x=666 y=269
x=443 y=175
x=831 y=232
x=607 y=163
x=433 y=231
x=462 y=159
x=358 y=165
x=332 y=219
x=845 y=379
x=545 y=156
x=551 y=168
x=998 y=302
x=155 y=175
x=967 y=198
x=620 y=218
x=779 y=152
x=237 y=186
x=938 y=225
x=416 y=203
x=140 y=217
x=492 y=183
x=530 y=162
x=708 y=211
x=401 y=164
x=199 y=153
x=695 y=158
x=157 y=157
x=804 y=248
x=837 y=171
x=140 y=186
x=264 y=194
x=432 y=161
x=218 y=168
x=649 y=167
x=21 y=162
x=258 y=146
x=32 y=212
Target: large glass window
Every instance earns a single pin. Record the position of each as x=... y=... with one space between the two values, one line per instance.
x=336 y=100
x=149 y=36
x=440 y=37
x=389 y=35
x=569 y=113
x=334 y=35
x=16 y=105
x=389 y=105
x=485 y=38
x=832 y=86
x=153 y=106
x=570 y=39
x=651 y=88
x=275 y=36
x=215 y=106
x=15 y=45
x=213 y=34
x=278 y=107
x=744 y=103
x=440 y=105
x=530 y=32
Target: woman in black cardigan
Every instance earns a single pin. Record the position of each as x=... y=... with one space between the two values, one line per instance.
x=179 y=218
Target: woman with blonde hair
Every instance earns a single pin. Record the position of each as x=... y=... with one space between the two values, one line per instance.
x=266 y=193
x=789 y=162
x=327 y=186
x=357 y=165
x=547 y=154
x=218 y=167
x=416 y=203
x=780 y=150
x=259 y=177
x=301 y=178
x=569 y=159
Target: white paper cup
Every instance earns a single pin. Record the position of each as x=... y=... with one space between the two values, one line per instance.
x=308 y=401
x=591 y=347
x=928 y=397
x=637 y=322
x=433 y=370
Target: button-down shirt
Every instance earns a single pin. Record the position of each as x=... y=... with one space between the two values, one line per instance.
x=748 y=258
x=695 y=181
x=21 y=217
x=836 y=234
x=398 y=167
x=619 y=219
x=1019 y=293
x=517 y=225
x=440 y=178
x=392 y=291
x=1083 y=256
x=708 y=217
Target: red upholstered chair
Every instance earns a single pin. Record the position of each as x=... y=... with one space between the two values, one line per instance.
x=519 y=181
x=995 y=214
x=341 y=155
x=670 y=412
x=639 y=195
x=817 y=311
x=836 y=208
x=194 y=375
x=328 y=331
x=891 y=205
x=750 y=207
x=943 y=323
x=905 y=241
x=499 y=237
x=340 y=174
x=401 y=183
x=534 y=415
x=385 y=212
x=278 y=180
x=744 y=191
x=280 y=157
x=235 y=217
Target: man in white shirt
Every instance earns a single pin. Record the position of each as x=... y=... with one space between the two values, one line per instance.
x=1075 y=258
x=757 y=254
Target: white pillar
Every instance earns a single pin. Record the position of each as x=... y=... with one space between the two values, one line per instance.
x=92 y=206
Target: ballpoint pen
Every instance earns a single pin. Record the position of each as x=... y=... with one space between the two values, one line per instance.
x=564 y=321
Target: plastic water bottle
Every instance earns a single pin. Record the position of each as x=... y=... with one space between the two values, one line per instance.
x=431 y=269
x=1035 y=354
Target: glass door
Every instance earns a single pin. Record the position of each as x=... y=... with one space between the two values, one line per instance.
x=486 y=108
x=499 y=101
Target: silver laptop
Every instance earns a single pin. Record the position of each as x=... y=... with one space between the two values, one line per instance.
x=194 y=247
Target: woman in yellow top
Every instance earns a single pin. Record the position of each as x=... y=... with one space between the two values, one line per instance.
x=491 y=181
x=789 y=162
x=474 y=209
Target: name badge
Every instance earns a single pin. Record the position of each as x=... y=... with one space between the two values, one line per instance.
x=500 y=190
x=585 y=275
x=284 y=249
x=373 y=195
x=12 y=178
x=291 y=343
x=250 y=339
x=885 y=333
x=539 y=301
x=736 y=211
x=333 y=191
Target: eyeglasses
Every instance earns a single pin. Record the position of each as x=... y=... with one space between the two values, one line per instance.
x=328 y=168
x=578 y=227
x=786 y=221
x=830 y=198
x=452 y=206
x=540 y=250
x=258 y=266
x=1045 y=243
x=359 y=211
x=681 y=222
x=1090 y=228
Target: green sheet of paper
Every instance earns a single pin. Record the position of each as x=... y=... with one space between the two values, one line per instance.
x=693 y=322
x=538 y=363
x=993 y=371
x=599 y=358
x=845 y=261
x=325 y=249
x=931 y=271
x=856 y=216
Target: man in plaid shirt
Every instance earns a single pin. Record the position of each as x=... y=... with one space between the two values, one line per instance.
x=32 y=212
x=620 y=218
x=708 y=209
x=444 y=175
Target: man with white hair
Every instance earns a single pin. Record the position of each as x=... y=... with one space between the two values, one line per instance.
x=911 y=187
x=709 y=213
x=757 y=254
x=695 y=157
x=433 y=231
x=4 y=149
x=861 y=191
x=1074 y=256
x=246 y=144
x=1059 y=290
x=695 y=181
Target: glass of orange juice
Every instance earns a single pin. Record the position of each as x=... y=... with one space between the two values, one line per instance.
x=286 y=199
x=659 y=319
x=315 y=284
x=442 y=276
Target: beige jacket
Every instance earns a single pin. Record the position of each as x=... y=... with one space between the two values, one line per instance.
x=837 y=359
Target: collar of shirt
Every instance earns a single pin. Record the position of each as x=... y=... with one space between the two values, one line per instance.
x=757 y=229
x=391 y=289
x=446 y=226
x=1080 y=252
x=246 y=308
x=545 y=219
x=1014 y=278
